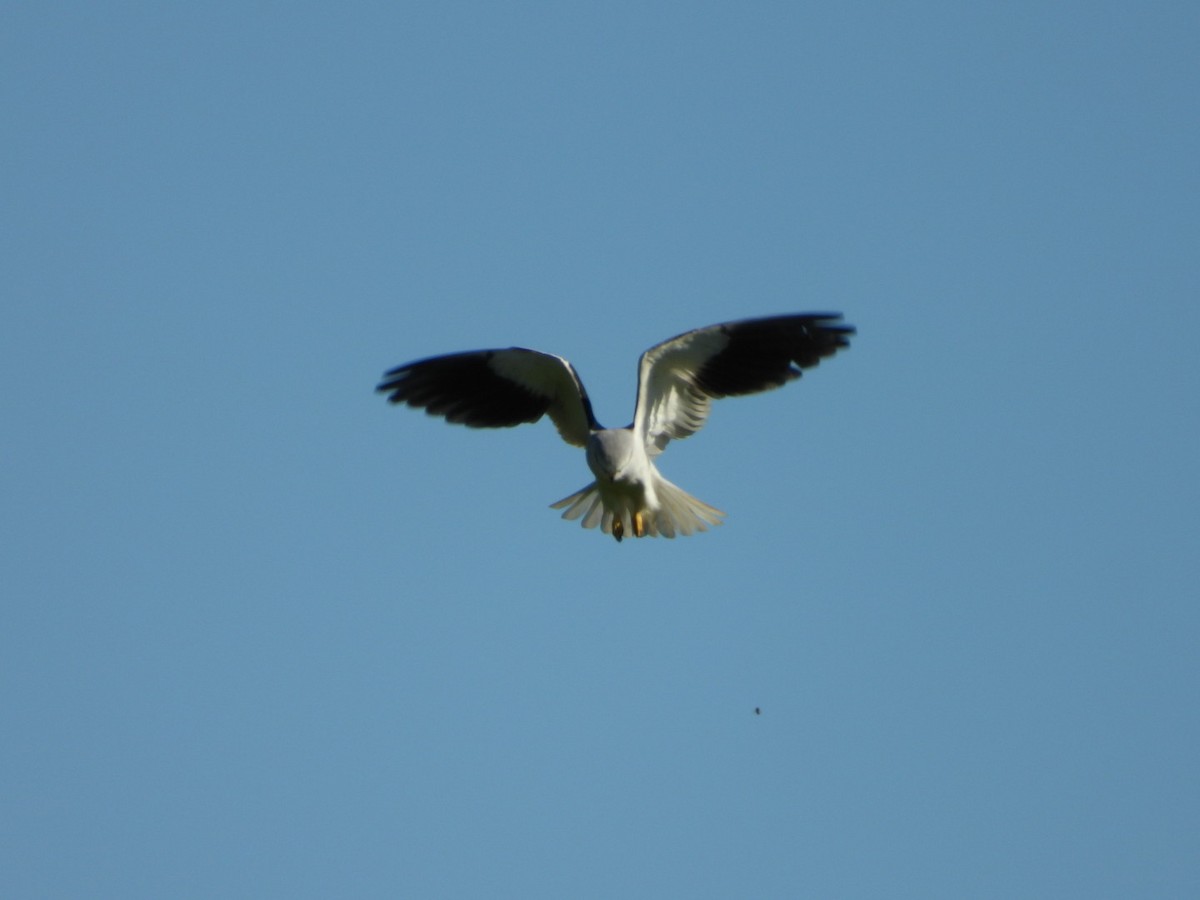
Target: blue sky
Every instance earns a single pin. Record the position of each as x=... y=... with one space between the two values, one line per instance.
x=264 y=636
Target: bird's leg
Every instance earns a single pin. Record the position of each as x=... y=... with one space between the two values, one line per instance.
x=618 y=529
x=639 y=527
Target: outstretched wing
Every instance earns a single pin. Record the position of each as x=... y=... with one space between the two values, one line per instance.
x=678 y=379
x=496 y=389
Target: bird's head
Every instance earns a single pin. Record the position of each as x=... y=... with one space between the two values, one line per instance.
x=610 y=453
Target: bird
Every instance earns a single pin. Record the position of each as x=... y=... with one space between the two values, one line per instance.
x=677 y=381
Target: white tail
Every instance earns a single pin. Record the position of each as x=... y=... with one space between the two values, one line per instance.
x=658 y=509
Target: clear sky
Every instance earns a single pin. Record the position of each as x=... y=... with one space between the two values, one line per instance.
x=263 y=635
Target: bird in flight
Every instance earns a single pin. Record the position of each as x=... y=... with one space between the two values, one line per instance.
x=677 y=381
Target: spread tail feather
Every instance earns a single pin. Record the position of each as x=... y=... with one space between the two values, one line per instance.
x=665 y=511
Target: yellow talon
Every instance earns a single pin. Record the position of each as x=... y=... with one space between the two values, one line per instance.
x=639 y=527
x=618 y=530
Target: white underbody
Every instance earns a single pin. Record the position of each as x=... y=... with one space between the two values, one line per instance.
x=630 y=496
